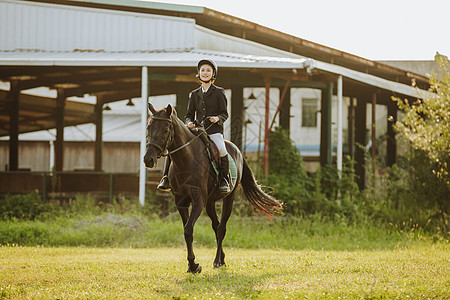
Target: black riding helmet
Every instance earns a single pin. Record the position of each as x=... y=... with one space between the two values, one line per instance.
x=207 y=61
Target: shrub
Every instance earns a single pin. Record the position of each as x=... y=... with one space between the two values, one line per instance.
x=25 y=207
x=326 y=192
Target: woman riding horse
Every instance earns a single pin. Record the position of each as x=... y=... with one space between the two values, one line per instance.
x=192 y=178
x=207 y=107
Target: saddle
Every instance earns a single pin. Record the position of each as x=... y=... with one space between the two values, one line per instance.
x=213 y=151
x=214 y=155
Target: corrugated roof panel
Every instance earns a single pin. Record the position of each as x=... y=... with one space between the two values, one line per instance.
x=47 y=27
x=186 y=58
x=216 y=41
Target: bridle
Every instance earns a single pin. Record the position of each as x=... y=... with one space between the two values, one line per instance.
x=163 y=151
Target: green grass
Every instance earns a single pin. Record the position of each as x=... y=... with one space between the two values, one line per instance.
x=85 y=251
x=113 y=230
x=416 y=272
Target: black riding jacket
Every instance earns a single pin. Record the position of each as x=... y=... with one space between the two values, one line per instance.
x=211 y=104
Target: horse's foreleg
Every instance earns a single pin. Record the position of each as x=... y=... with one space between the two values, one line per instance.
x=211 y=210
x=189 y=235
x=222 y=229
x=184 y=213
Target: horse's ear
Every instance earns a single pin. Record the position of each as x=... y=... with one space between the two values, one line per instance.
x=151 y=108
x=169 y=110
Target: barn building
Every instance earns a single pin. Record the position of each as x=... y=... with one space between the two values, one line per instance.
x=63 y=62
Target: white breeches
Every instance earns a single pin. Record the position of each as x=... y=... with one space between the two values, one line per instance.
x=217 y=138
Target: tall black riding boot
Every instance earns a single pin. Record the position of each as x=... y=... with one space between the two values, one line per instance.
x=164 y=184
x=224 y=186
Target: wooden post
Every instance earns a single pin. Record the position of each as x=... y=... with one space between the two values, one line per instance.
x=266 y=127
x=391 y=151
x=360 y=139
x=98 y=135
x=285 y=110
x=374 y=138
x=59 y=143
x=182 y=98
x=282 y=96
x=339 y=152
x=14 y=95
x=351 y=128
x=325 y=125
x=237 y=115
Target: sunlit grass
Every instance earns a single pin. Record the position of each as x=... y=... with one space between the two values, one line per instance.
x=416 y=272
x=112 y=230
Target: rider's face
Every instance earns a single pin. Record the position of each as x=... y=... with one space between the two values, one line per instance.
x=206 y=72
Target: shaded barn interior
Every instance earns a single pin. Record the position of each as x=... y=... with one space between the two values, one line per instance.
x=110 y=66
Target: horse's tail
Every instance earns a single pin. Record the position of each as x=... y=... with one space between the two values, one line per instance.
x=266 y=204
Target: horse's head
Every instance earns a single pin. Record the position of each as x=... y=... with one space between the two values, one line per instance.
x=159 y=134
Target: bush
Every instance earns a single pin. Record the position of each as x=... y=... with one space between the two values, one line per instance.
x=24 y=207
x=326 y=192
x=409 y=195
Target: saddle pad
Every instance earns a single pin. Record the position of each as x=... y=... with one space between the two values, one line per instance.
x=233 y=170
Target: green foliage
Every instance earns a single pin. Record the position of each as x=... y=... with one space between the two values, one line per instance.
x=426 y=123
x=137 y=231
x=284 y=157
x=426 y=126
x=326 y=192
x=124 y=223
x=28 y=207
x=409 y=196
x=287 y=177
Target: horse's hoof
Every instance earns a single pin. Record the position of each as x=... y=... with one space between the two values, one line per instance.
x=198 y=270
x=219 y=265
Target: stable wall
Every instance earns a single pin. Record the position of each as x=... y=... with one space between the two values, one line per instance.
x=118 y=157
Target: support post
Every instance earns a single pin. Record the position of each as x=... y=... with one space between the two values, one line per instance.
x=351 y=128
x=360 y=139
x=285 y=110
x=374 y=137
x=98 y=157
x=339 y=125
x=144 y=109
x=282 y=95
x=325 y=125
x=182 y=99
x=237 y=115
x=391 y=151
x=14 y=95
x=59 y=142
x=266 y=128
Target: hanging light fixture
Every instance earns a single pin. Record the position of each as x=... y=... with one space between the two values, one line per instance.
x=130 y=102
x=252 y=96
x=107 y=107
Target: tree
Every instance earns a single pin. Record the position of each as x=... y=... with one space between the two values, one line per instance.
x=426 y=123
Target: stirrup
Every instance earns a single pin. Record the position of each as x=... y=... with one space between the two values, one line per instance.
x=224 y=186
x=164 y=184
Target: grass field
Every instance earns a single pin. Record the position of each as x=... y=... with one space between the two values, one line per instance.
x=416 y=272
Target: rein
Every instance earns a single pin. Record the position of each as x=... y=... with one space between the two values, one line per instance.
x=168 y=153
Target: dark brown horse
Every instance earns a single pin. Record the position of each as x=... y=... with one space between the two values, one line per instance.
x=193 y=180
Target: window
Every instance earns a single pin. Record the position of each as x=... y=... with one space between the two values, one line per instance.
x=309 y=112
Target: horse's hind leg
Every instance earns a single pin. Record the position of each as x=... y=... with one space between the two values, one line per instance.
x=222 y=229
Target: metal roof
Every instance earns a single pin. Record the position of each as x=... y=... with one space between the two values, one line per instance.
x=244 y=29
x=189 y=58
x=181 y=58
